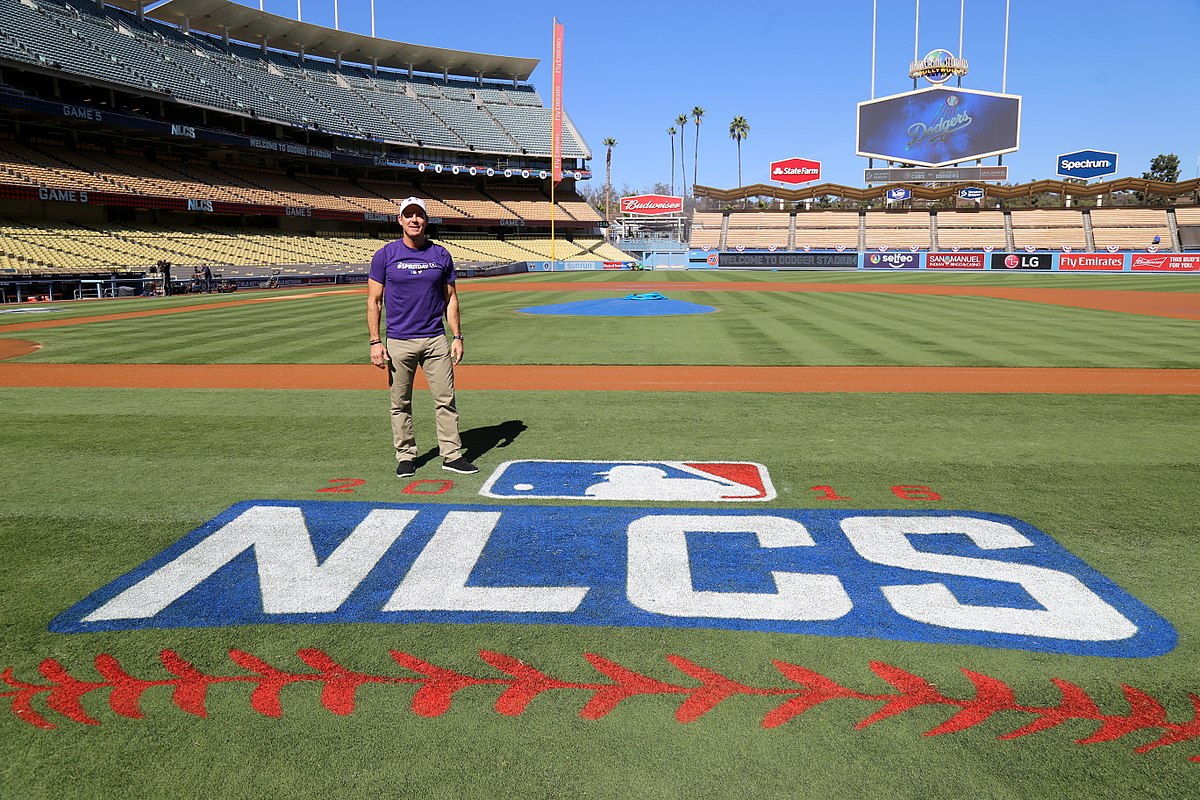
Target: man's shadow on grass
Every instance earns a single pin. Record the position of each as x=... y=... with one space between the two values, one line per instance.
x=478 y=442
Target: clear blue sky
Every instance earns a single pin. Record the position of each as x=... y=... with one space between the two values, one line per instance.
x=1102 y=74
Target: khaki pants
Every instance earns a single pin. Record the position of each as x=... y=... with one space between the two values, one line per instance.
x=433 y=356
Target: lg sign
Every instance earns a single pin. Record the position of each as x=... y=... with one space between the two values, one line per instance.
x=795 y=170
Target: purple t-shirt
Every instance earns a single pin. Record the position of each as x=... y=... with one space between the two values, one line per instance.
x=414 y=288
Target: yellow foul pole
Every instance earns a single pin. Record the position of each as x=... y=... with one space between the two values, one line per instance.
x=556 y=119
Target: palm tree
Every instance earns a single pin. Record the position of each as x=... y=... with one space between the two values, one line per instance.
x=697 y=115
x=671 y=132
x=682 y=121
x=739 y=129
x=608 y=143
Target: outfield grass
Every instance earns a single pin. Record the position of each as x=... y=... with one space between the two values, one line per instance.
x=750 y=328
x=99 y=480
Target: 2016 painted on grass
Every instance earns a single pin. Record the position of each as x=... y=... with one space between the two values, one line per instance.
x=938 y=576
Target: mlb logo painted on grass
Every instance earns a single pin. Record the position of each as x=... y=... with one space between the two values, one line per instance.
x=956 y=577
x=692 y=481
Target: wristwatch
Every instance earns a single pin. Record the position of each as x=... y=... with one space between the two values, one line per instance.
x=458 y=336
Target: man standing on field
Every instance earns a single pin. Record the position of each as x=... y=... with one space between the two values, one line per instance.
x=414 y=279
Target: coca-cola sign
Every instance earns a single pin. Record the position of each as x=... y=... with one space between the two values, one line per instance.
x=795 y=170
x=651 y=204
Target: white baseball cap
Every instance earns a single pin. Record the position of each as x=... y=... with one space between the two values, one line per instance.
x=413 y=201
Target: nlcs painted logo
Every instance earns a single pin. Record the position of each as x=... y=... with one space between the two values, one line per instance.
x=958 y=577
x=717 y=481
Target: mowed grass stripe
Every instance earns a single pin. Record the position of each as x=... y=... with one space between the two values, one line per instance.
x=272 y=333
x=754 y=328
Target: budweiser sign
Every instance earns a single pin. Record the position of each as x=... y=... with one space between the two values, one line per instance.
x=1165 y=262
x=795 y=170
x=651 y=204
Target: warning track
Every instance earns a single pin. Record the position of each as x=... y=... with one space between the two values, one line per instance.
x=1007 y=380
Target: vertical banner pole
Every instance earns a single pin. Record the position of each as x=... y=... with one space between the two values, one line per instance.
x=874 y=16
x=1004 y=71
x=916 y=36
x=962 y=15
x=556 y=117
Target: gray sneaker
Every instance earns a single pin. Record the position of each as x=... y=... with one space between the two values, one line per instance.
x=406 y=469
x=460 y=465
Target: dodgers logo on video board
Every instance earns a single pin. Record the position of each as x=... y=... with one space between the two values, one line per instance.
x=939 y=125
x=955 y=577
x=717 y=481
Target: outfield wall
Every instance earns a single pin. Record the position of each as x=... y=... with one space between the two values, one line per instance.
x=970 y=261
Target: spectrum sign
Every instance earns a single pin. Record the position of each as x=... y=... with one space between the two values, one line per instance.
x=795 y=170
x=938 y=126
x=651 y=204
x=1084 y=164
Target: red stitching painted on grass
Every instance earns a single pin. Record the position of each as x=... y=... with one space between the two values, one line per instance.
x=437 y=686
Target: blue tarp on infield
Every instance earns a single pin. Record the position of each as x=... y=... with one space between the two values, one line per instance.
x=621 y=307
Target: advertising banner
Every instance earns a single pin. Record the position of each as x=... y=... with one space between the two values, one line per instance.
x=556 y=103
x=939 y=125
x=954 y=261
x=943 y=174
x=1026 y=261
x=892 y=261
x=1091 y=262
x=788 y=260
x=651 y=204
x=795 y=170
x=971 y=193
x=898 y=194
x=1086 y=164
x=1165 y=262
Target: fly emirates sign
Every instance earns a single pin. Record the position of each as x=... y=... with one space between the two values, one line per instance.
x=937 y=576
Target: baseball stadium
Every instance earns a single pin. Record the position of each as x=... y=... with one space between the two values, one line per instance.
x=788 y=489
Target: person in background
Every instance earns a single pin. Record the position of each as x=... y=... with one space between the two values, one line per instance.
x=414 y=278
x=165 y=267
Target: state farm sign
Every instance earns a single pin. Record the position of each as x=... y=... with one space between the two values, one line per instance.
x=650 y=204
x=795 y=170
